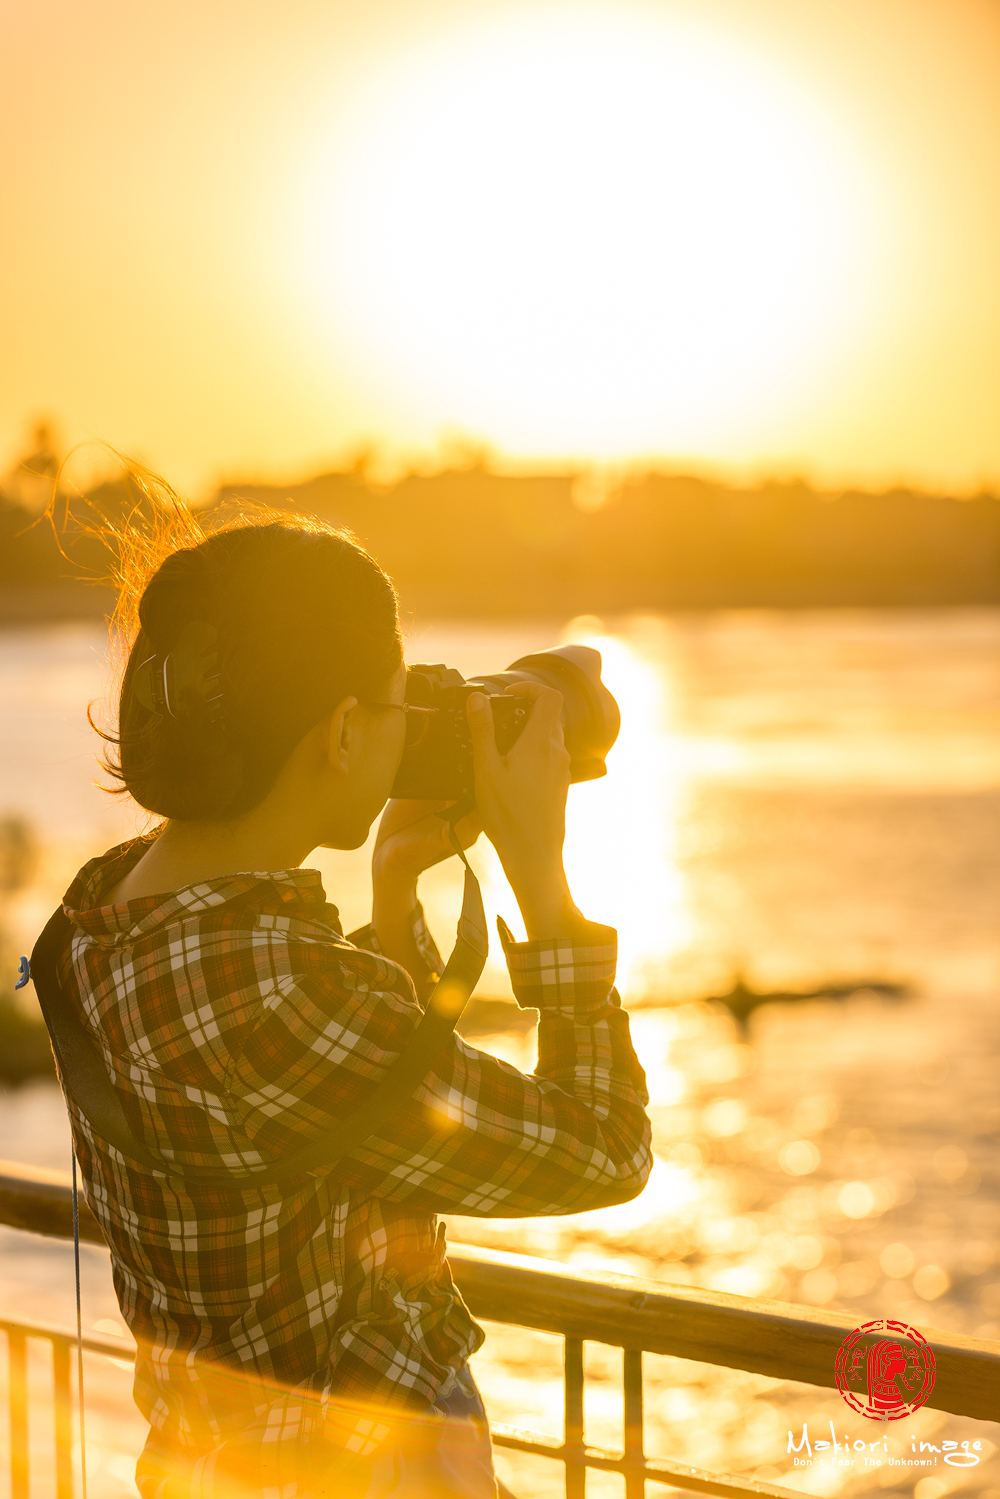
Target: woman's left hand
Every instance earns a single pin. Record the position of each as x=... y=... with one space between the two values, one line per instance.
x=412 y=838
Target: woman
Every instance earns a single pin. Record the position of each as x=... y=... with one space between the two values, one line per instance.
x=305 y=1337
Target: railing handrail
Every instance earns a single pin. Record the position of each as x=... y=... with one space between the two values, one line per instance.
x=662 y=1470
x=120 y=1348
x=774 y=1338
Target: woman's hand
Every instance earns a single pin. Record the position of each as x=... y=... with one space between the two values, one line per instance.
x=412 y=838
x=521 y=799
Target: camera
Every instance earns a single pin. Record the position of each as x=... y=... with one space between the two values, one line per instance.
x=437 y=758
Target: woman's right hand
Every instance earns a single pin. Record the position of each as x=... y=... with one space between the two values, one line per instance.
x=521 y=800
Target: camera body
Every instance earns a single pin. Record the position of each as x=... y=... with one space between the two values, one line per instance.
x=439 y=767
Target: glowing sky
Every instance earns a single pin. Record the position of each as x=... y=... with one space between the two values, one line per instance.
x=745 y=235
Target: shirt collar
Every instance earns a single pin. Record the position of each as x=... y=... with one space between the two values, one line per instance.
x=287 y=892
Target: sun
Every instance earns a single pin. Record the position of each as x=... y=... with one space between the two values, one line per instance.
x=588 y=231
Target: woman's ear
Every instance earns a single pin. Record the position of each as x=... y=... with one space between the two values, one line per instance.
x=337 y=736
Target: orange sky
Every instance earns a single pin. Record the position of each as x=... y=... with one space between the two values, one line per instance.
x=745 y=235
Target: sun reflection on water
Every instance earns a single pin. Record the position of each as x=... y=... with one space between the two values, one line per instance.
x=635 y=808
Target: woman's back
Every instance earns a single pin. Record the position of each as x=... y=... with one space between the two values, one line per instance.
x=238 y=1023
x=199 y=1000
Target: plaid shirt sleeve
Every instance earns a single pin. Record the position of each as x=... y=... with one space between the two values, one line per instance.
x=478 y=1136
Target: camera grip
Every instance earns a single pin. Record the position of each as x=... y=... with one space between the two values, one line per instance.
x=509 y=718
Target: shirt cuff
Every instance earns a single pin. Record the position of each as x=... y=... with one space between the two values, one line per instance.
x=366 y=938
x=556 y=974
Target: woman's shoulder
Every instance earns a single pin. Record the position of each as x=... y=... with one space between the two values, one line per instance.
x=226 y=938
x=181 y=980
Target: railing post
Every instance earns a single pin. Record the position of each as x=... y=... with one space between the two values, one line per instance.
x=64 y=1419
x=635 y=1482
x=576 y=1472
x=17 y=1373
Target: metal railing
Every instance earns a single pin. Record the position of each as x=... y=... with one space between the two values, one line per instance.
x=763 y=1337
x=63 y=1344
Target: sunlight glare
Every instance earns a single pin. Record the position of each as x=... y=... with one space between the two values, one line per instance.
x=588 y=231
x=635 y=807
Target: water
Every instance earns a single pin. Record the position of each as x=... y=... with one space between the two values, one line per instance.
x=801 y=799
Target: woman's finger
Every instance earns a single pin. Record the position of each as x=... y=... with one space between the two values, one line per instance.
x=546 y=707
x=482 y=731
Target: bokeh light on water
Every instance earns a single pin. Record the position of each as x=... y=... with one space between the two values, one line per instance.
x=805 y=800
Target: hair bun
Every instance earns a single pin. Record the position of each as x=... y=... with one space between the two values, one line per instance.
x=185 y=683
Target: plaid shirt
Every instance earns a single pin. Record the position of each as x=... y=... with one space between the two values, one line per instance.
x=238 y=1023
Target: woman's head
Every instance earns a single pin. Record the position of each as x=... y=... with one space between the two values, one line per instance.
x=285 y=620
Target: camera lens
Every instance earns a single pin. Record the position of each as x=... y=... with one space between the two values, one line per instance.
x=437 y=759
x=590 y=714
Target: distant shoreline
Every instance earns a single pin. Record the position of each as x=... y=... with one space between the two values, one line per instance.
x=473 y=543
x=72 y=603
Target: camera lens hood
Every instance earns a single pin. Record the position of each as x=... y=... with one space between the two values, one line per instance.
x=591 y=719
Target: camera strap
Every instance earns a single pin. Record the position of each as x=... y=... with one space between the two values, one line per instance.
x=79 y=1331
x=87 y=1083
